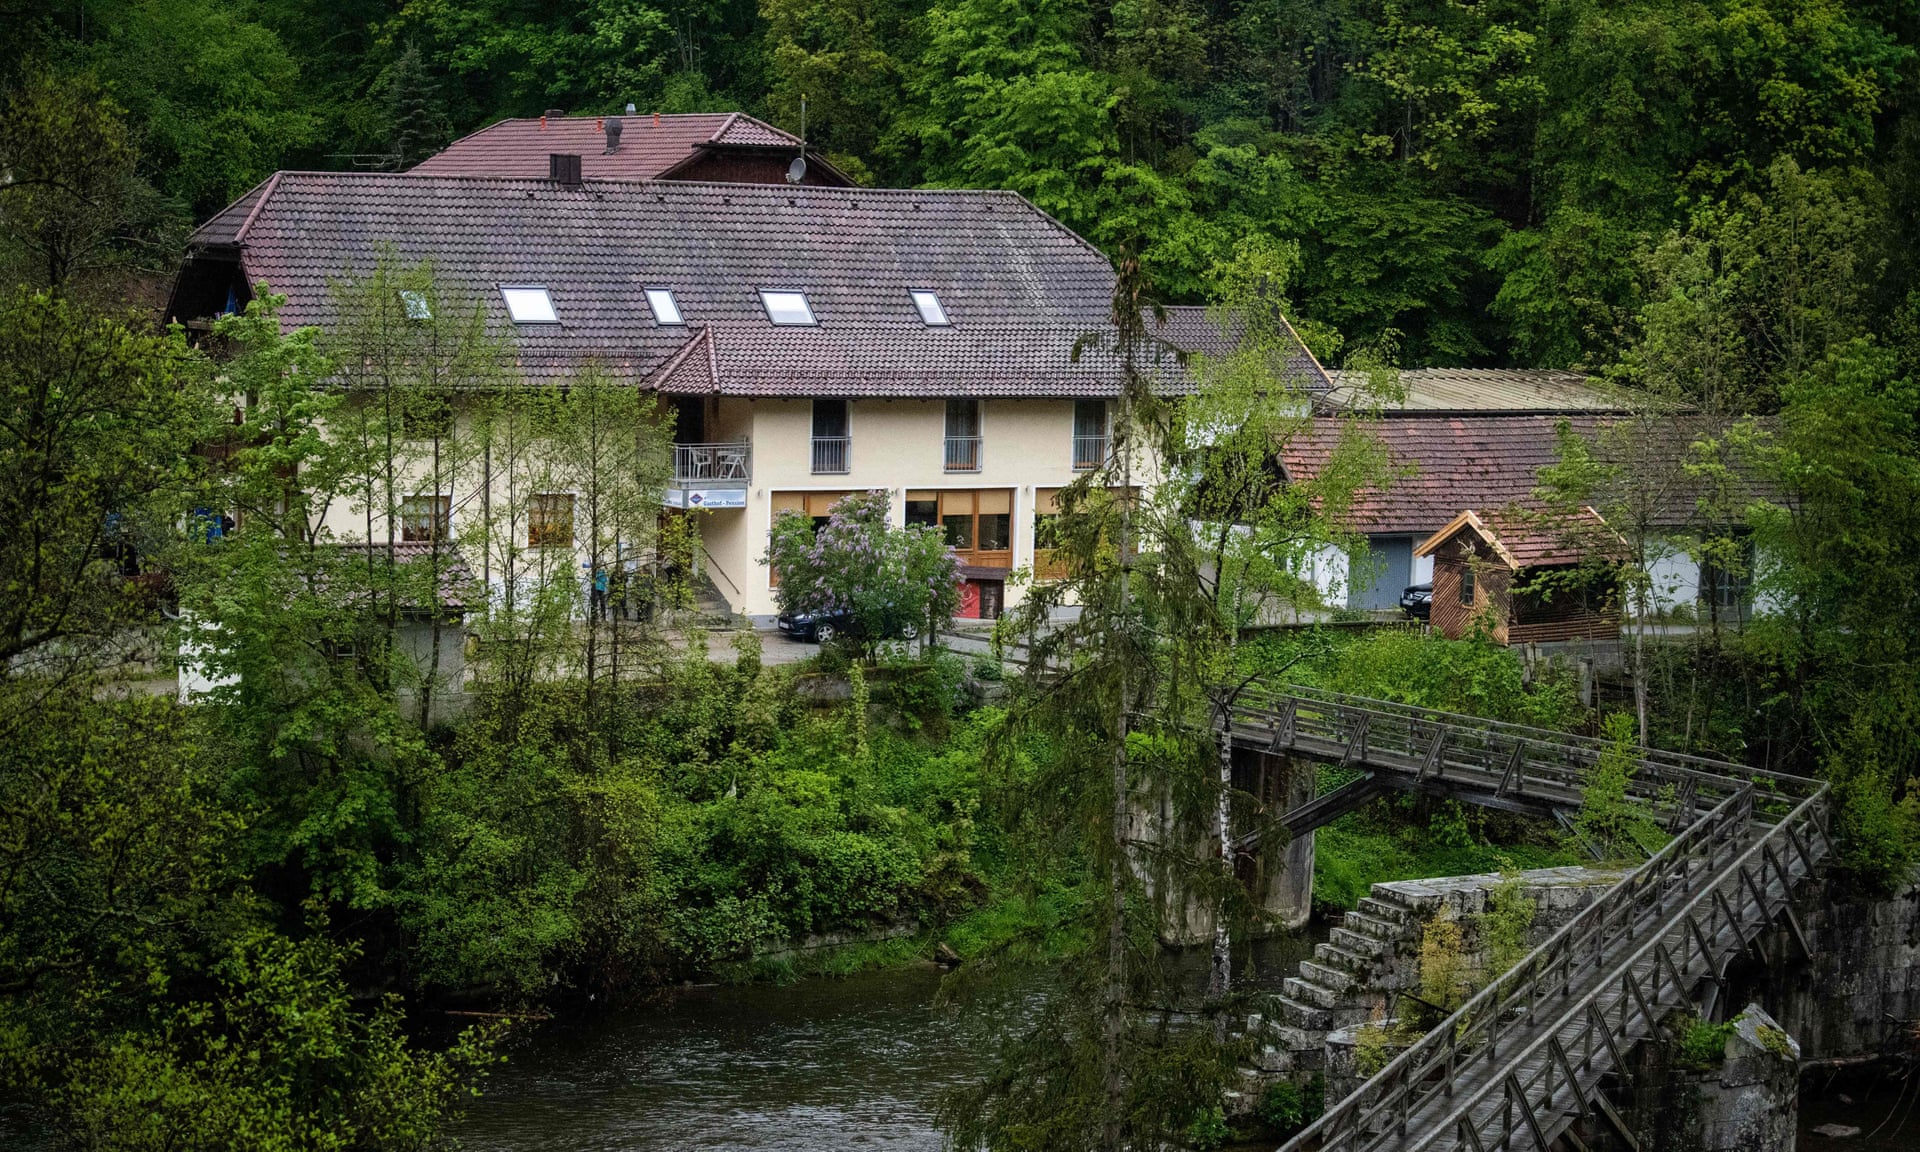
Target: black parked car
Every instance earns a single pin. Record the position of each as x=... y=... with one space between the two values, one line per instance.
x=1417 y=601
x=822 y=627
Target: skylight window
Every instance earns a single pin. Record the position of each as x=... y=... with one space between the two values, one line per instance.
x=529 y=304
x=666 y=310
x=787 y=307
x=928 y=302
x=416 y=304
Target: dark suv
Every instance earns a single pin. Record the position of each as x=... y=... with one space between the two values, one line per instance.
x=1417 y=601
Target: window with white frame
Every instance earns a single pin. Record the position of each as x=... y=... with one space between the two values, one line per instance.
x=529 y=304
x=927 y=302
x=786 y=307
x=666 y=310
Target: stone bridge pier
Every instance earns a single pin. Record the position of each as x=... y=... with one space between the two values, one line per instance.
x=1276 y=870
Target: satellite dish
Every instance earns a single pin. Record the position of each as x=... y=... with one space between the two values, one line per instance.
x=797 y=170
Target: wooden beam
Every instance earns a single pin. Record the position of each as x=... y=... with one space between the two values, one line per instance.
x=1614 y=1118
x=1433 y=753
x=1356 y=743
x=1513 y=766
x=1526 y=1111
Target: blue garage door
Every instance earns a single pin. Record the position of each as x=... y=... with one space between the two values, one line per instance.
x=1380 y=572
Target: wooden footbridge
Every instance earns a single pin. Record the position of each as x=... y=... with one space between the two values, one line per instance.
x=1521 y=1061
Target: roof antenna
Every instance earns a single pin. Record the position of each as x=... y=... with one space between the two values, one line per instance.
x=797 y=171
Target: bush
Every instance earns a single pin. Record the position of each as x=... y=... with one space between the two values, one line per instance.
x=1507 y=924
x=1286 y=1107
x=1609 y=817
x=1700 y=1045
x=889 y=578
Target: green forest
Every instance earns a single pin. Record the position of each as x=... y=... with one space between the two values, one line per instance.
x=313 y=912
x=1462 y=183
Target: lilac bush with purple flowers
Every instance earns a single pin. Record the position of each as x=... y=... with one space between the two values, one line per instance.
x=889 y=578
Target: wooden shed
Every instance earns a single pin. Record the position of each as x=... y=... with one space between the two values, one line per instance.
x=1542 y=579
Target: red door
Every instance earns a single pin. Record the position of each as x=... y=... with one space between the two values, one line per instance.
x=969 y=600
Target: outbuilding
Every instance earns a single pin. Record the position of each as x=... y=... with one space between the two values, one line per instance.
x=1535 y=576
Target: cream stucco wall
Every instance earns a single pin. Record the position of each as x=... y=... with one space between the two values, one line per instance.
x=483 y=490
x=897 y=445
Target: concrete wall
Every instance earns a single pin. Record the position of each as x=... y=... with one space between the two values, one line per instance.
x=1859 y=993
x=1747 y=1101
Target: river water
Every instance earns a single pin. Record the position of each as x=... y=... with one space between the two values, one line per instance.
x=856 y=1062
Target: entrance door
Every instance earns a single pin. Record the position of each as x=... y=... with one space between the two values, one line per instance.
x=993 y=594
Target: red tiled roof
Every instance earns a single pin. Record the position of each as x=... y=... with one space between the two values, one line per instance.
x=742 y=130
x=520 y=148
x=456 y=579
x=1532 y=538
x=1020 y=288
x=1444 y=464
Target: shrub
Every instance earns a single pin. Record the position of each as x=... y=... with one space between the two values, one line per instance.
x=889 y=578
x=1372 y=1049
x=1443 y=964
x=1506 y=924
x=1609 y=818
x=1700 y=1045
x=1208 y=1130
x=1287 y=1107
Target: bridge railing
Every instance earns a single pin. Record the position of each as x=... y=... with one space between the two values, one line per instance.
x=1378 y=1112
x=1514 y=760
x=1478 y=1041
x=1736 y=902
x=1262 y=695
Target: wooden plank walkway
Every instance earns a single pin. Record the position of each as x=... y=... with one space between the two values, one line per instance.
x=1523 y=1059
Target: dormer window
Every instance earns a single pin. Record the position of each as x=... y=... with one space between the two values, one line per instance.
x=415 y=304
x=927 y=302
x=786 y=307
x=529 y=304
x=666 y=310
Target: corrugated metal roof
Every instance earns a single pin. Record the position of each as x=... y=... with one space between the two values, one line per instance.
x=1479 y=390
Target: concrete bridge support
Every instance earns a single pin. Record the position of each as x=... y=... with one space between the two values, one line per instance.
x=1743 y=1098
x=1277 y=872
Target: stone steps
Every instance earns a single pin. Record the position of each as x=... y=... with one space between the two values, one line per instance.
x=1383 y=931
x=1358 y=943
x=1307 y=991
x=1330 y=955
x=1326 y=978
x=1298 y=1014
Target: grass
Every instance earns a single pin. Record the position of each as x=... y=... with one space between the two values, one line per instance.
x=1350 y=856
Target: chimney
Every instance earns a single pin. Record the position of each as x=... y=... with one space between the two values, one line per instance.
x=614 y=128
x=556 y=113
x=563 y=168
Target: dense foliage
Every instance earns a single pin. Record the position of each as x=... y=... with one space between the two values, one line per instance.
x=202 y=908
x=1485 y=181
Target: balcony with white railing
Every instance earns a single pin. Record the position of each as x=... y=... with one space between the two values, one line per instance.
x=1089 y=452
x=832 y=455
x=963 y=453
x=710 y=475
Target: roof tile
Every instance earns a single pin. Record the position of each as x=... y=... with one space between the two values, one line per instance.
x=1020 y=289
x=649 y=145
